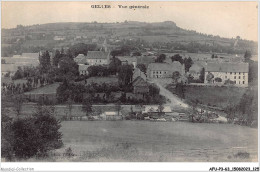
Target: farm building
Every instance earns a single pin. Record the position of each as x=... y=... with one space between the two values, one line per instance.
x=112 y=115
x=155 y=109
x=94 y=58
x=128 y=60
x=83 y=69
x=138 y=73
x=140 y=86
x=227 y=73
x=164 y=70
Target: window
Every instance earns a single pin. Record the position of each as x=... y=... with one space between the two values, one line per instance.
x=239 y=73
x=234 y=77
x=243 y=73
x=235 y=73
x=243 y=77
x=243 y=82
x=226 y=77
x=230 y=72
x=239 y=82
x=239 y=77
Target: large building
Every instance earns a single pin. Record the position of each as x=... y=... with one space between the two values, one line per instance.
x=164 y=70
x=227 y=73
x=94 y=58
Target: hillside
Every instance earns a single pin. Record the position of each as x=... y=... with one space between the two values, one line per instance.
x=160 y=35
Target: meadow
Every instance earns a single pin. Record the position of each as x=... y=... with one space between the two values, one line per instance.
x=157 y=141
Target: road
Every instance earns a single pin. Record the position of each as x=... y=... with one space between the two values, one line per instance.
x=172 y=100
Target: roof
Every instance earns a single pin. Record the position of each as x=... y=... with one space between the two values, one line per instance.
x=111 y=113
x=30 y=55
x=8 y=68
x=137 y=72
x=83 y=67
x=160 y=66
x=227 y=67
x=154 y=108
x=140 y=82
x=127 y=58
x=97 y=55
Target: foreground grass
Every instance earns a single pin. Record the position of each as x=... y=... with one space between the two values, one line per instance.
x=157 y=141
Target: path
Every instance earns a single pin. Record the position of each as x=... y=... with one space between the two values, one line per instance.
x=175 y=102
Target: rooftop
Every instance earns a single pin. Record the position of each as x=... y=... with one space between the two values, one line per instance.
x=97 y=55
x=227 y=67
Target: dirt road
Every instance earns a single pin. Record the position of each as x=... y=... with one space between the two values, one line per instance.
x=172 y=100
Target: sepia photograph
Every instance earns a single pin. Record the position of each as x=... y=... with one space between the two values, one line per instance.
x=129 y=81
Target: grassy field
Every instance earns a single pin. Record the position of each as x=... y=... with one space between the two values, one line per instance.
x=157 y=141
x=9 y=80
x=48 y=89
x=100 y=80
x=218 y=96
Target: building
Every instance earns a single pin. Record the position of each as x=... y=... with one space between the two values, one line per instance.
x=83 y=69
x=111 y=116
x=140 y=86
x=8 y=68
x=96 y=58
x=154 y=109
x=227 y=73
x=138 y=73
x=128 y=60
x=164 y=70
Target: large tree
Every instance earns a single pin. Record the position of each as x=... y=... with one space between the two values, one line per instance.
x=178 y=58
x=160 y=58
x=45 y=62
x=87 y=106
x=125 y=74
x=187 y=63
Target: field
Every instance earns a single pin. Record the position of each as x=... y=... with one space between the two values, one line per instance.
x=213 y=96
x=157 y=141
x=48 y=89
x=100 y=80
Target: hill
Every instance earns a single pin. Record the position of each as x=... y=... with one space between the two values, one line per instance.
x=162 y=35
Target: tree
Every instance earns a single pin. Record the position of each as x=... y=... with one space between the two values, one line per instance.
x=218 y=79
x=87 y=106
x=175 y=76
x=114 y=65
x=160 y=109
x=142 y=67
x=187 y=64
x=209 y=77
x=18 y=103
x=118 y=107
x=247 y=56
x=180 y=90
x=36 y=135
x=125 y=74
x=45 y=62
x=57 y=58
x=178 y=58
x=18 y=74
x=160 y=58
x=202 y=75
x=68 y=68
x=69 y=106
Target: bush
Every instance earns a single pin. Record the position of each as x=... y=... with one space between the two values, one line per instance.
x=34 y=136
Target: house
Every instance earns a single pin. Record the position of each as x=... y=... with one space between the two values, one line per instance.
x=146 y=60
x=93 y=58
x=112 y=115
x=128 y=60
x=137 y=72
x=140 y=86
x=83 y=69
x=227 y=73
x=59 y=38
x=8 y=68
x=164 y=70
x=154 y=109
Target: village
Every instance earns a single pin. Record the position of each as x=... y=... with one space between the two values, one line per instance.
x=175 y=82
x=133 y=85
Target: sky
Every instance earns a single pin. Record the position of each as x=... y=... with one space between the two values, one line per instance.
x=226 y=19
